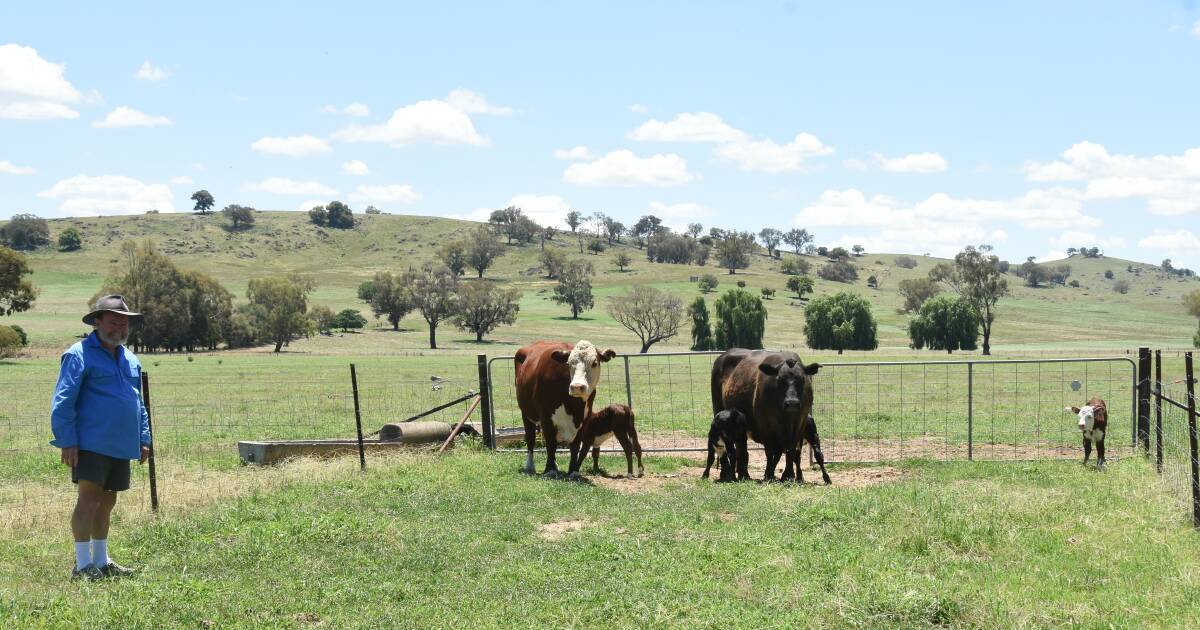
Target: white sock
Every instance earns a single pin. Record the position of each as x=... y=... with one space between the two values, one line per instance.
x=83 y=554
x=100 y=552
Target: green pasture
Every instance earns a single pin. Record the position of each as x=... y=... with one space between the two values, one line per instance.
x=466 y=541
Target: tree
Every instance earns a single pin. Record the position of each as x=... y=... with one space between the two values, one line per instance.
x=284 y=302
x=838 y=271
x=703 y=250
x=373 y=210
x=574 y=220
x=366 y=290
x=858 y=250
x=318 y=216
x=25 y=232
x=708 y=282
x=622 y=261
x=482 y=250
x=916 y=291
x=322 y=317
x=10 y=342
x=453 y=254
x=1121 y=286
x=768 y=293
x=1108 y=274
x=596 y=246
x=976 y=276
x=339 y=216
x=651 y=314
x=945 y=323
x=1191 y=302
x=905 y=262
x=795 y=266
x=839 y=253
x=348 y=318
x=645 y=227
x=433 y=294
x=552 y=262
x=733 y=251
x=798 y=239
x=694 y=230
x=204 y=201
x=390 y=297
x=1034 y=273
x=872 y=282
x=483 y=306
x=741 y=320
x=506 y=221
x=575 y=287
x=70 y=240
x=613 y=229
x=842 y=321
x=702 y=338
x=236 y=214
x=525 y=229
x=771 y=238
x=1071 y=251
x=801 y=285
x=17 y=294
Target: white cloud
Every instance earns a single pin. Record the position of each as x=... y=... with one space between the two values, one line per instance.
x=355 y=167
x=108 y=194
x=687 y=127
x=854 y=164
x=32 y=88
x=182 y=180
x=126 y=117
x=1077 y=238
x=768 y=157
x=295 y=146
x=356 y=109
x=940 y=223
x=638 y=108
x=1196 y=29
x=546 y=210
x=9 y=168
x=394 y=193
x=474 y=103
x=284 y=186
x=1170 y=184
x=1049 y=256
x=426 y=121
x=680 y=210
x=577 y=153
x=310 y=204
x=623 y=168
x=912 y=163
x=150 y=72
x=1177 y=241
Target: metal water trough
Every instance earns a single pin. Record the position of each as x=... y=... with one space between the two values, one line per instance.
x=391 y=437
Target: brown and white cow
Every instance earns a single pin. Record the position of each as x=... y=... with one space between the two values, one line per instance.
x=1093 y=423
x=556 y=384
x=774 y=391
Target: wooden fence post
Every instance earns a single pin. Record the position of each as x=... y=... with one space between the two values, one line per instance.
x=485 y=401
x=1143 y=401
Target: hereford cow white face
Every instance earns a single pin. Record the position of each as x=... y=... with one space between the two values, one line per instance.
x=1087 y=417
x=584 y=363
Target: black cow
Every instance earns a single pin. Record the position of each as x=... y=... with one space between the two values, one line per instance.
x=726 y=438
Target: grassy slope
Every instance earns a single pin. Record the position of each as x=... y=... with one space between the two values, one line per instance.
x=1091 y=317
x=453 y=542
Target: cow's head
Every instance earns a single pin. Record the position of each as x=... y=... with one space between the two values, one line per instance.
x=792 y=379
x=730 y=420
x=1087 y=416
x=584 y=362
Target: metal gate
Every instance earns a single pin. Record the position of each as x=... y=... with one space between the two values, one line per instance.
x=870 y=411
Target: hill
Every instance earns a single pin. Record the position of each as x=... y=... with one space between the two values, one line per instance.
x=1091 y=316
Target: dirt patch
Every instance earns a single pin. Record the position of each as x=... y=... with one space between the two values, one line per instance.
x=650 y=482
x=866 y=476
x=858 y=477
x=559 y=529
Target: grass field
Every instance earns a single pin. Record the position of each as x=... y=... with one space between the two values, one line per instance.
x=1091 y=317
x=465 y=540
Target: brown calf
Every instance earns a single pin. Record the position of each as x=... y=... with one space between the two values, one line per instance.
x=615 y=420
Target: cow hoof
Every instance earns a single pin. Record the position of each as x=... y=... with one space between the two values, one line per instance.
x=574 y=476
x=528 y=471
x=552 y=474
x=827 y=481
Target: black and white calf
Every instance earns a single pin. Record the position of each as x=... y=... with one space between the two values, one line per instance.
x=1093 y=422
x=726 y=438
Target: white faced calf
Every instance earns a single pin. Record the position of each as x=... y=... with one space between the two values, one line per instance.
x=1093 y=423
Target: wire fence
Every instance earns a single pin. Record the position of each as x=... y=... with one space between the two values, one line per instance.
x=1175 y=440
x=872 y=411
x=197 y=425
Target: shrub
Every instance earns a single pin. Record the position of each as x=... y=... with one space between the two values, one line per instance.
x=1121 y=286
x=10 y=342
x=741 y=284
x=69 y=240
x=840 y=271
x=905 y=262
x=708 y=282
x=1074 y=284
x=768 y=293
x=795 y=266
x=1108 y=274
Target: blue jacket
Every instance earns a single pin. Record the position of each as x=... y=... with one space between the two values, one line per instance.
x=97 y=403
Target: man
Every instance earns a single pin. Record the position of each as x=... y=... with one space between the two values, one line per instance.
x=100 y=423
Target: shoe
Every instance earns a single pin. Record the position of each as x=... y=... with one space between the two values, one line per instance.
x=114 y=570
x=89 y=573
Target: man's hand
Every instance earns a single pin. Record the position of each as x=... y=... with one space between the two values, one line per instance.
x=70 y=456
x=145 y=454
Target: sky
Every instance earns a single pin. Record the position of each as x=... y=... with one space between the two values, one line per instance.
x=904 y=127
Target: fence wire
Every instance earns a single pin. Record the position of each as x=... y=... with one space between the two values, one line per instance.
x=943 y=410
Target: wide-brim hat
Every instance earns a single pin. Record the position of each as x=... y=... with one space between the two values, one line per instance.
x=111 y=304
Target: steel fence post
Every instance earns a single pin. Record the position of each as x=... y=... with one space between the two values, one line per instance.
x=1191 y=406
x=362 y=452
x=150 y=428
x=1143 y=407
x=628 y=383
x=485 y=402
x=970 y=411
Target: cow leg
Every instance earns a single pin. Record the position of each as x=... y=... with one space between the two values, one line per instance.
x=1099 y=449
x=579 y=449
x=712 y=453
x=772 y=460
x=814 y=452
x=729 y=464
x=530 y=438
x=1087 y=449
x=743 y=461
x=596 y=459
x=637 y=449
x=789 y=462
x=627 y=446
x=551 y=435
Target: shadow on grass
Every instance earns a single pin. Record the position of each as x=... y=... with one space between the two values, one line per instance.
x=573 y=319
